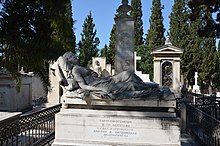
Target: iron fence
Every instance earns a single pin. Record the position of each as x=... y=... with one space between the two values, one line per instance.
x=208 y=104
x=202 y=126
x=31 y=129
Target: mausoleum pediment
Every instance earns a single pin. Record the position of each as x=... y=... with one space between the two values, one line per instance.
x=167 y=49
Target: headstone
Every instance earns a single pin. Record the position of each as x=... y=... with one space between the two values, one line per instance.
x=124 y=53
x=196 y=88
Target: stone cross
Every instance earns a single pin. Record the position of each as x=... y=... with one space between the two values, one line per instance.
x=196 y=76
x=135 y=60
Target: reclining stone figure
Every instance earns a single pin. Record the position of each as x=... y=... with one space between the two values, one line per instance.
x=81 y=82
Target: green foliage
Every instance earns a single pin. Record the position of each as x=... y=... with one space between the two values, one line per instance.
x=179 y=26
x=211 y=28
x=200 y=54
x=112 y=43
x=191 y=58
x=105 y=53
x=136 y=13
x=88 y=43
x=216 y=80
x=210 y=64
x=31 y=33
x=155 y=37
x=60 y=17
x=219 y=50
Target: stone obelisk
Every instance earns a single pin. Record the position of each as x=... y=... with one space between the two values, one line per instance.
x=124 y=51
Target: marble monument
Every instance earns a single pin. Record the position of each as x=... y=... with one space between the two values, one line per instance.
x=116 y=110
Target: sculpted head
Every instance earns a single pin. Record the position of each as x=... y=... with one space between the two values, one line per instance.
x=70 y=57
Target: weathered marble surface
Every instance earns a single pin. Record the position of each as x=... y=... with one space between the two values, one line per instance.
x=81 y=82
x=106 y=128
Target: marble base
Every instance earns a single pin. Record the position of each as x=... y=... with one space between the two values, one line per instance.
x=87 y=127
x=124 y=102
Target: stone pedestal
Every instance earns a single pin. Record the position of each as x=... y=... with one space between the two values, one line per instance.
x=196 y=89
x=89 y=127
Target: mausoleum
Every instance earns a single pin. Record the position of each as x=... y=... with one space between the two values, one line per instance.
x=167 y=65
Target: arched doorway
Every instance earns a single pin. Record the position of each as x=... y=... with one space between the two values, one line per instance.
x=167 y=74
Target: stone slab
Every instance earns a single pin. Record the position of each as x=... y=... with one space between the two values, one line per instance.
x=9 y=115
x=104 y=127
x=125 y=102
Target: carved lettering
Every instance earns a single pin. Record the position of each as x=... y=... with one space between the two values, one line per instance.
x=115 y=128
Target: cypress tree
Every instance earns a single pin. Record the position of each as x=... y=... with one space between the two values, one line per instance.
x=71 y=37
x=112 y=42
x=105 y=53
x=216 y=82
x=212 y=27
x=191 y=58
x=179 y=24
x=155 y=37
x=210 y=63
x=219 y=50
x=60 y=16
x=88 y=43
x=136 y=13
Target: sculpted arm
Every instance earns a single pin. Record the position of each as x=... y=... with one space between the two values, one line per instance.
x=80 y=80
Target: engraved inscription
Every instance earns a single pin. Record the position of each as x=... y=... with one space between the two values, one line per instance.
x=115 y=128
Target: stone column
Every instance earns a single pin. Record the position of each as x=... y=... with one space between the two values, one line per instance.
x=176 y=75
x=124 y=51
x=157 y=72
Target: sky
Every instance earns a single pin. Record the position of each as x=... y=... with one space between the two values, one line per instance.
x=103 y=12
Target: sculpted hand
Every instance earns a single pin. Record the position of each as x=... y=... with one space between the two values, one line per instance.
x=80 y=91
